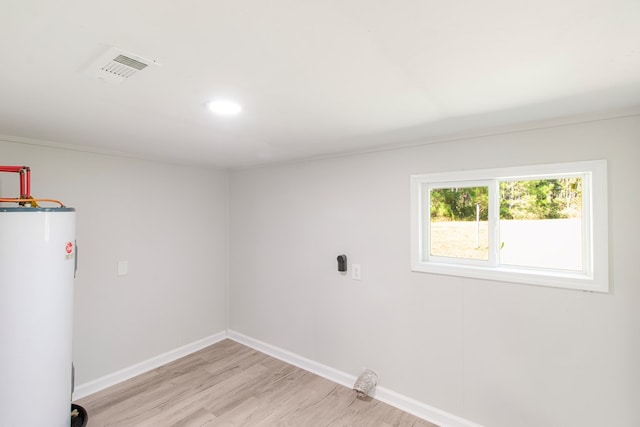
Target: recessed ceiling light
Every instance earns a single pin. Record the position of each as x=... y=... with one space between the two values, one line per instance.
x=224 y=107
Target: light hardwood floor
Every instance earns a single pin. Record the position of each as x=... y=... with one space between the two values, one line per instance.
x=229 y=384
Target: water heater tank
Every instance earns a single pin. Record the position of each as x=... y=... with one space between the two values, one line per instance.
x=37 y=268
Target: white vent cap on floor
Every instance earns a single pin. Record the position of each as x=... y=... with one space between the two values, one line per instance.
x=117 y=65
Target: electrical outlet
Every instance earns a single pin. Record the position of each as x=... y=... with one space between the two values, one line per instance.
x=356 y=272
x=123 y=268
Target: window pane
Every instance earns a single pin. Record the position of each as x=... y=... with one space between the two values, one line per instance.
x=459 y=227
x=541 y=223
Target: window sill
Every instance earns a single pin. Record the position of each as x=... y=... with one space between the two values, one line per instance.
x=556 y=279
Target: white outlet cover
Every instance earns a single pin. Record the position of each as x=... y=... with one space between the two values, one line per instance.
x=356 y=272
x=123 y=268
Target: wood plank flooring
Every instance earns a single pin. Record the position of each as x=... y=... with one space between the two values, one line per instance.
x=229 y=384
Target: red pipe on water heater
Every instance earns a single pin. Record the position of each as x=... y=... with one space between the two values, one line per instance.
x=25 y=188
x=25 y=179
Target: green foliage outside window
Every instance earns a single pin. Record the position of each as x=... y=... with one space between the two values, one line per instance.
x=532 y=199
x=541 y=199
x=459 y=204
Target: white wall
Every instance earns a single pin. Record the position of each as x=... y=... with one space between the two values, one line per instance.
x=168 y=222
x=498 y=354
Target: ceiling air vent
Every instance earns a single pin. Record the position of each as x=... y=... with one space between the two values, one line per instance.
x=118 y=65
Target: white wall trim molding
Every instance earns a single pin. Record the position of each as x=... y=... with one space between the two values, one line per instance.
x=414 y=407
x=293 y=359
x=473 y=132
x=429 y=140
x=407 y=404
x=106 y=381
x=422 y=410
x=11 y=139
x=61 y=146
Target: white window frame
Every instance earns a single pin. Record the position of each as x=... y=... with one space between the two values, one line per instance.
x=595 y=272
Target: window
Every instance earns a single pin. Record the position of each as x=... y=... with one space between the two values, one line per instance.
x=544 y=225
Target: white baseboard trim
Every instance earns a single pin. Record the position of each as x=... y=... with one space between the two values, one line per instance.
x=96 y=385
x=324 y=371
x=422 y=410
x=419 y=409
x=407 y=404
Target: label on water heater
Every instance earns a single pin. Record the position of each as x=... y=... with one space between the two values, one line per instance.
x=69 y=250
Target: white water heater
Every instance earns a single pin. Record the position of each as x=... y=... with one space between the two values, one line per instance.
x=37 y=269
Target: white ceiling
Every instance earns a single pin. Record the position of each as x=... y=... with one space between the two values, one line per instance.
x=314 y=77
